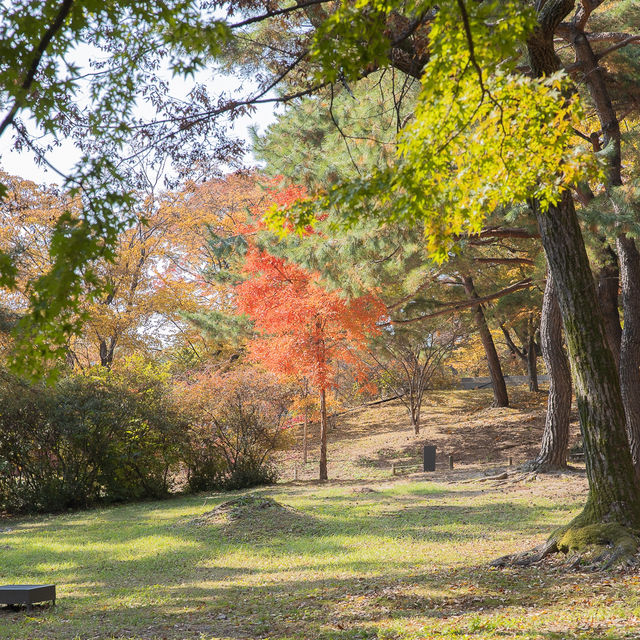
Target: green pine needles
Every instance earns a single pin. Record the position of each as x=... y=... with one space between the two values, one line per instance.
x=484 y=134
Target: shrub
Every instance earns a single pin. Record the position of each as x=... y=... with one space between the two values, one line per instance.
x=102 y=437
x=239 y=419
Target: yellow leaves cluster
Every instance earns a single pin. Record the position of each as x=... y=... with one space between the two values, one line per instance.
x=473 y=148
x=159 y=270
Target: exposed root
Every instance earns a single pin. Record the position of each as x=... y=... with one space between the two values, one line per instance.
x=500 y=476
x=597 y=546
x=527 y=558
x=540 y=466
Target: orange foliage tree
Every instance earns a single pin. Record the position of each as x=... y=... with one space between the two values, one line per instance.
x=303 y=329
x=157 y=273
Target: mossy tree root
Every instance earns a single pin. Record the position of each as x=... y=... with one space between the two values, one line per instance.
x=599 y=545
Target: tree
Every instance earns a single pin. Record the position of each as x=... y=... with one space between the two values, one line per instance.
x=154 y=278
x=408 y=358
x=520 y=319
x=460 y=156
x=555 y=438
x=40 y=83
x=302 y=328
x=501 y=399
x=483 y=136
x=235 y=430
x=324 y=141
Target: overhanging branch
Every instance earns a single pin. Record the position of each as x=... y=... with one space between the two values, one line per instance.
x=466 y=304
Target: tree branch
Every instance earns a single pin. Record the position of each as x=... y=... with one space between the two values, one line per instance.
x=301 y=4
x=618 y=45
x=465 y=304
x=505 y=260
x=54 y=27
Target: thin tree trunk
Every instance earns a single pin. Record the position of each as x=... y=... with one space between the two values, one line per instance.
x=630 y=347
x=415 y=420
x=608 y=278
x=304 y=436
x=528 y=355
x=500 y=397
x=532 y=360
x=555 y=438
x=323 y=436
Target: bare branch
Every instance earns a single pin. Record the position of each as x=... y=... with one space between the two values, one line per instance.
x=619 y=45
x=302 y=4
x=505 y=260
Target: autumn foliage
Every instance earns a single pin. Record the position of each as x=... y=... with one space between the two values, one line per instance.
x=239 y=418
x=303 y=329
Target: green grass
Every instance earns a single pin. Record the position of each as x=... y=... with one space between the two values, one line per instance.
x=365 y=556
x=408 y=561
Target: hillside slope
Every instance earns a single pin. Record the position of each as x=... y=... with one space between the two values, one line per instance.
x=366 y=442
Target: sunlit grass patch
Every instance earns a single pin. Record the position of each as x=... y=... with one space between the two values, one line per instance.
x=380 y=557
x=399 y=560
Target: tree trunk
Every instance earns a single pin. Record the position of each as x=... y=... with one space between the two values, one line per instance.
x=629 y=360
x=608 y=277
x=107 y=351
x=555 y=438
x=532 y=360
x=415 y=420
x=304 y=436
x=323 y=436
x=500 y=397
x=630 y=347
x=614 y=492
x=614 y=489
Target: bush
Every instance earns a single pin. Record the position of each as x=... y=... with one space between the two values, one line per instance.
x=102 y=437
x=239 y=420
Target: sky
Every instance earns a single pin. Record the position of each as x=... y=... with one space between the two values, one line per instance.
x=64 y=158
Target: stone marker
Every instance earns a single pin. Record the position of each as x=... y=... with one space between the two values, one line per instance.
x=27 y=593
x=429 y=458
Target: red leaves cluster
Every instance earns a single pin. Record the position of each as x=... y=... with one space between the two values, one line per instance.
x=303 y=329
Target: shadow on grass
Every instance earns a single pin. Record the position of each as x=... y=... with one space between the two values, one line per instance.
x=136 y=574
x=121 y=552
x=336 y=609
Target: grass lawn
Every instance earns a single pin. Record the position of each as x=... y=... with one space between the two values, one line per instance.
x=355 y=558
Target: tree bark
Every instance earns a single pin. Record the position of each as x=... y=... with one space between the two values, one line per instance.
x=629 y=258
x=500 y=396
x=614 y=489
x=555 y=438
x=630 y=347
x=414 y=412
x=608 y=278
x=323 y=436
x=614 y=492
x=532 y=363
x=107 y=351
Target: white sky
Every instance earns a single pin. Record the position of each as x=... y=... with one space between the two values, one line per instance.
x=66 y=156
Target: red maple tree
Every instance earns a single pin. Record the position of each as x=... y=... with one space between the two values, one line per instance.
x=303 y=329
